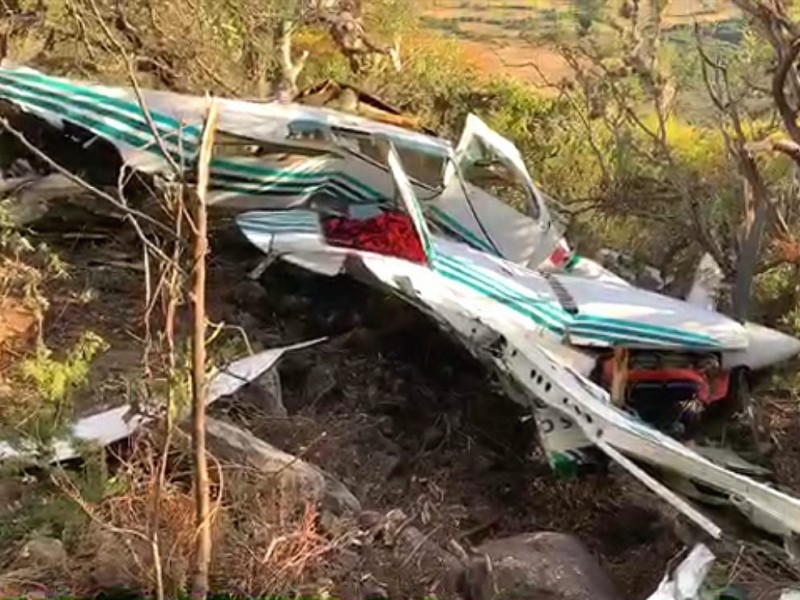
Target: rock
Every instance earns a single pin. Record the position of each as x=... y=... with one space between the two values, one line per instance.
x=43 y=552
x=269 y=396
x=476 y=580
x=230 y=443
x=319 y=382
x=369 y=519
x=249 y=294
x=30 y=196
x=120 y=564
x=11 y=494
x=546 y=566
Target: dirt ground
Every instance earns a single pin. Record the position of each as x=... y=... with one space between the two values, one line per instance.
x=406 y=419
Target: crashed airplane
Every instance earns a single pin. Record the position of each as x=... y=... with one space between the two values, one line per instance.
x=463 y=234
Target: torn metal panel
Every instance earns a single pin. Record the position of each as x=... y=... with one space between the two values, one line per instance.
x=687 y=580
x=121 y=422
x=561 y=388
x=254 y=138
x=603 y=318
x=563 y=441
x=730 y=460
x=526 y=236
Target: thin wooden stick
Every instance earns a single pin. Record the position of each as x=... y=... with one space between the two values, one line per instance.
x=200 y=248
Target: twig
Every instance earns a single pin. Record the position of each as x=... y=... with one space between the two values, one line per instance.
x=788 y=114
x=69 y=489
x=419 y=545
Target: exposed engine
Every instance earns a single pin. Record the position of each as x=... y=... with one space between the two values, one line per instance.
x=670 y=390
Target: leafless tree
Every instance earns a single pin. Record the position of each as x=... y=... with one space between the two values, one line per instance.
x=610 y=95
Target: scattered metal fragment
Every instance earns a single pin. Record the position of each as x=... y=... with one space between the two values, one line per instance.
x=687 y=580
x=121 y=422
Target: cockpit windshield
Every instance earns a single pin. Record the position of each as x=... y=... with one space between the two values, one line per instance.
x=481 y=165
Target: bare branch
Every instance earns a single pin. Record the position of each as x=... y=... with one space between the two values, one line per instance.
x=130 y=213
x=290 y=68
x=137 y=90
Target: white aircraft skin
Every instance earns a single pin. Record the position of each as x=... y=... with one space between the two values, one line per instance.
x=491 y=277
x=501 y=335
x=516 y=248
x=519 y=246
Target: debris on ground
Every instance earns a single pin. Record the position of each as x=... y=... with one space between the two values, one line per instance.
x=118 y=423
x=685 y=583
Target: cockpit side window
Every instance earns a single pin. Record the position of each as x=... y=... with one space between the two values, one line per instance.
x=419 y=166
x=230 y=145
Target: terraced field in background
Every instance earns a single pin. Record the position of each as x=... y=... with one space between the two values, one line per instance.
x=510 y=36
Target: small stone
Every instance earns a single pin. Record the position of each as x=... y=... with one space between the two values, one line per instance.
x=369 y=519
x=270 y=395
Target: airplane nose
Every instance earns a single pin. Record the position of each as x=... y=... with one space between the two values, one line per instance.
x=768 y=347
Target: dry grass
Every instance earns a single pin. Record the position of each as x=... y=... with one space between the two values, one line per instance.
x=265 y=541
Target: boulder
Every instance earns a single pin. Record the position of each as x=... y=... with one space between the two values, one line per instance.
x=544 y=566
x=12 y=492
x=42 y=552
x=119 y=564
x=235 y=445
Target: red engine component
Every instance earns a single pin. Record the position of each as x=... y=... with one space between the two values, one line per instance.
x=709 y=389
x=389 y=233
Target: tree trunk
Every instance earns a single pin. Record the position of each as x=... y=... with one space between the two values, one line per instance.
x=751 y=232
x=290 y=68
